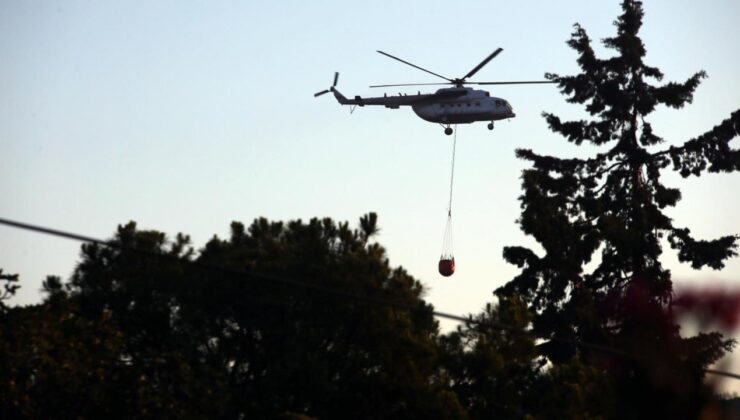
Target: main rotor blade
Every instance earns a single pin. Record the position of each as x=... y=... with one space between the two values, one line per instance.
x=483 y=63
x=413 y=65
x=529 y=82
x=412 y=84
x=336 y=77
x=321 y=93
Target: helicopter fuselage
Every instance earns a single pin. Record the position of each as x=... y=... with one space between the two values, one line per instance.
x=474 y=105
x=457 y=105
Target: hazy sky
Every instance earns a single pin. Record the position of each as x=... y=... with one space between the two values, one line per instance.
x=184 y=116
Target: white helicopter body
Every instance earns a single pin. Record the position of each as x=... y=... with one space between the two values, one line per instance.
x=447 y=106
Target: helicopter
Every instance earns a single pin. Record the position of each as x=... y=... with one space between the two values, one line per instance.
x=453 y=105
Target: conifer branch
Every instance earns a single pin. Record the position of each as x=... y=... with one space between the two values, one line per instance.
x=711 y=147
x=700 y=253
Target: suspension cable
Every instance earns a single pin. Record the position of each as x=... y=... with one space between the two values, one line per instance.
x=452 y=172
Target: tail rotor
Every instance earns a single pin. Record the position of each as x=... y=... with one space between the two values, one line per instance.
x=331 y=89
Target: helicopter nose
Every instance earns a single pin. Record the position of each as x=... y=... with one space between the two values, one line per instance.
x=511 y=110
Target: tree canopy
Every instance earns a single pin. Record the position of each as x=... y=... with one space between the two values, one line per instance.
x=148 y=328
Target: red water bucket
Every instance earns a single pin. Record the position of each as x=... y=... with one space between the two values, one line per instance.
x=447 y=267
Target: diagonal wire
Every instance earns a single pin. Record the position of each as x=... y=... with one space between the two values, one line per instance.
x=325 y=290
x=226 y=270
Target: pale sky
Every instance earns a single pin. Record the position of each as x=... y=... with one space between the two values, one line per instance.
x=184 y=116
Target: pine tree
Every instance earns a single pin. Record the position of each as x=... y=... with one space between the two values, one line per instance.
x=610 y=208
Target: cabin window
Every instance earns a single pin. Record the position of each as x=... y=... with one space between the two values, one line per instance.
x=459 y=105
x=468 y=104
x=477 y=104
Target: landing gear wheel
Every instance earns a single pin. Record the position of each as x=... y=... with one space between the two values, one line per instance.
x=490 y=126
x=448 y=131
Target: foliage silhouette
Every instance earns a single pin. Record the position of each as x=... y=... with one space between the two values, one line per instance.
x=611 y=208
x=162 y=337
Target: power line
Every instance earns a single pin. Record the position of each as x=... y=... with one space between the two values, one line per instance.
x=282 y=280
x=324 y=290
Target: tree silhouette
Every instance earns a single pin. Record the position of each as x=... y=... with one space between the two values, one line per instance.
x=611 y=208
x=259 y=325
x=491 y=362
x=10 y=286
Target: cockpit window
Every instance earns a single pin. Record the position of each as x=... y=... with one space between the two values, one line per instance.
x=498 y=102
